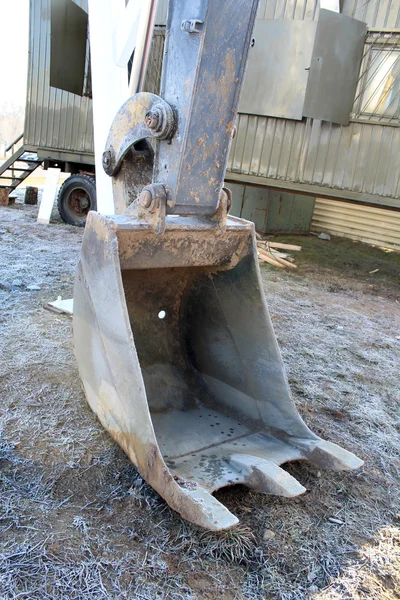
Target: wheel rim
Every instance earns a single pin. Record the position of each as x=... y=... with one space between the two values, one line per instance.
x=79 y=202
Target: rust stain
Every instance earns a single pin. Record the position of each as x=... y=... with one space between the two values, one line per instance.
x=230 y=127
x=194 y=196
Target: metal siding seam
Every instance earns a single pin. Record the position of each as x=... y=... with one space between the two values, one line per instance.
x=265 y=128
x=70 y=120
x=394 y=164
x=369 y=224
x=381 y=11
x=300 y=10
x=317 y=149
x=397 y=192
x=357 y=156
x=336 y=159
x=38 y=28
x=304 y=150
x=249 y=144
x=334 y=136
x=232 y=148
x=289 y=137
x=316 y=10
x=282 y=145
x=262 y=7
x=276 y=143
x=398 y=18
x=393 y=16
x=295 y=151
x=290 y=9
x=312 y=151
x=388 y=8
x=46 y=90
x=267 y=148
x=240 y=139
x=351 y=153
x=384 y=157
x=42 y=73
x=244 y=143
x=258 y=145
x=28 y=120
x=328 y=147
x=377 y=161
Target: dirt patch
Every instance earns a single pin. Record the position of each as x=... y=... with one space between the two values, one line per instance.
x=76 y=519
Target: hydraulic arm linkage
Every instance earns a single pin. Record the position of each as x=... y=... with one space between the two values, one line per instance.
x=172 y=334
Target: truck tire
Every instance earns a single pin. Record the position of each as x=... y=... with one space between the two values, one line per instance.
x=76 y=197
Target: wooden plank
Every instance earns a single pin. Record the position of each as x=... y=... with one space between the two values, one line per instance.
x=286 y=263
x=284 y=246
x=268 y=258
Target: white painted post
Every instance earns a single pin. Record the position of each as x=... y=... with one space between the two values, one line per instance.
x=114 y=30
x=49 y=196
x=110 y=89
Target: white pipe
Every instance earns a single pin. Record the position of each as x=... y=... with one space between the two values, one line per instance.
x=143 y=45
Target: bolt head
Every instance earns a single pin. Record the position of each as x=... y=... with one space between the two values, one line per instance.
x=106 y=159
x=153 y=119
x=145 y=199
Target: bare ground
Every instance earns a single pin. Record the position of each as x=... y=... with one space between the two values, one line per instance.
x=76 y=519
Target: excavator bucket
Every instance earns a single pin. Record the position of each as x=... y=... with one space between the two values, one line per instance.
x=172 y=334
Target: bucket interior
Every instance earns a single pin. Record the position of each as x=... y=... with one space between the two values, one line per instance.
x=192 y=327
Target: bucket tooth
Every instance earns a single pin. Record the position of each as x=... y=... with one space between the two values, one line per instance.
x=328 y=455
x=265 y=476
x=214 y=515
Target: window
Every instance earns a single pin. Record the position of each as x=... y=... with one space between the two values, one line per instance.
x=378 y=92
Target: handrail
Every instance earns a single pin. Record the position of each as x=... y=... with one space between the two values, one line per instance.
x=15 y=141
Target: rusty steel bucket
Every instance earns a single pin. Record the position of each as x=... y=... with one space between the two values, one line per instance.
x=180 y=363
x=172 y=335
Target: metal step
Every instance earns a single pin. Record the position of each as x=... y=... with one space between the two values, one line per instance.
x=8 y=166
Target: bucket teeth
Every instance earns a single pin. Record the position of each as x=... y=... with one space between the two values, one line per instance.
x=212 y=514
x=265 y=476
x=328 y=455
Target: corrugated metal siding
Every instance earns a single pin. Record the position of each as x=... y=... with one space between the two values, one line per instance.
x=357 y=158
x=382 y=14
x=371 y=225
x=360 y=158
x=54 y=118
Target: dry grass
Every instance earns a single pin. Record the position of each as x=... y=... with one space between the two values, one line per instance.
x=78 y=522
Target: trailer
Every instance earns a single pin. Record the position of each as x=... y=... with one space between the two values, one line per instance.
x=330 y=129
x=58 y=128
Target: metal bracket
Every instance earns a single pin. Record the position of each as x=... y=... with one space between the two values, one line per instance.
x=151 y=206
x=143 y=116
x=224 y=206
x=190 y=25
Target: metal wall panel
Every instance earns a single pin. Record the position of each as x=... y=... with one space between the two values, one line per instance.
x=371 y=225
x=277 y=72
x=272 y=211
x=54 y=118
x=361 y=158
x=334 y=68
